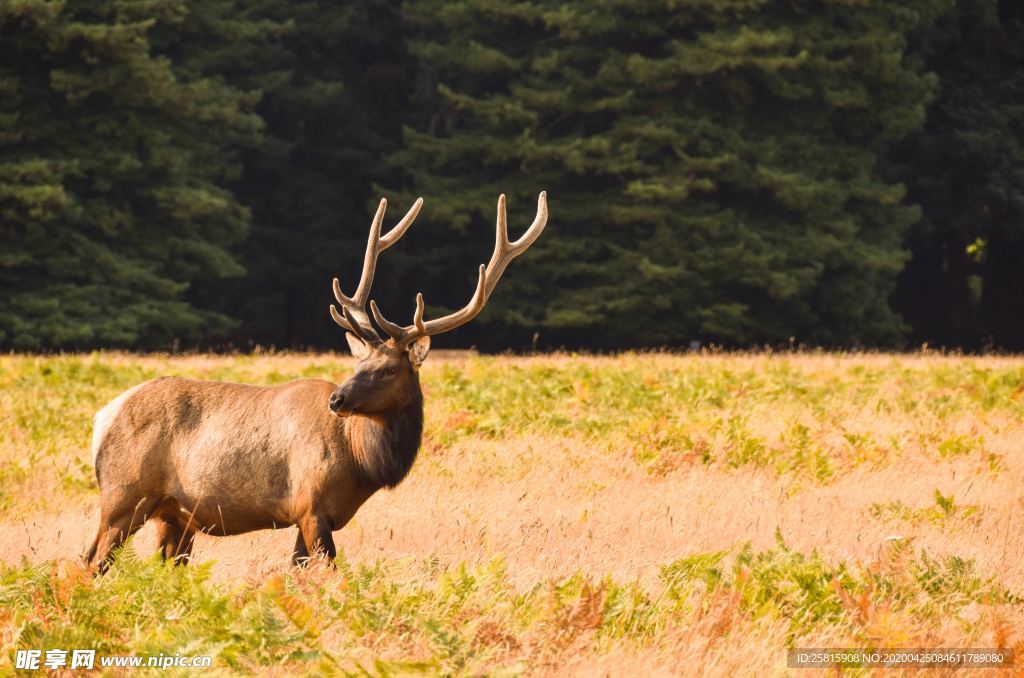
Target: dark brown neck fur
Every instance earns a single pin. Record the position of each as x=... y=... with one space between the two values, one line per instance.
x=385 y=445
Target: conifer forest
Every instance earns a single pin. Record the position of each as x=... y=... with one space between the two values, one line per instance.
x=193 y=173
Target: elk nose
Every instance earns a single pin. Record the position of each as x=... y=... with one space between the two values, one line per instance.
x=336 y=400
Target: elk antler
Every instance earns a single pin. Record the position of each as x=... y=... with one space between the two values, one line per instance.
x=504 y=252
x=353 y=310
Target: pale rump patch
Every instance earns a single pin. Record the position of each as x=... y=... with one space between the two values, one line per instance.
x=105 y=418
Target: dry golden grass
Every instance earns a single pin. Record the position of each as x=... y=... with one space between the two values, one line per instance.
x=607 y=470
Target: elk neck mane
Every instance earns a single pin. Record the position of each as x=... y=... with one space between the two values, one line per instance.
x=385 y=446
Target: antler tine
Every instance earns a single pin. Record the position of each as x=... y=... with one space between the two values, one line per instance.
x=370 y=257
x=404 y=336
x=505 y=251
x=343 y=318
x=399 y=230
x=350 y=324
x=395 y=331
x=460 y=317
x=354 y=308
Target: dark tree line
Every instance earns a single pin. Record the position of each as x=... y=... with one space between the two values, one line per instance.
x=964 y=285
x=194 y=172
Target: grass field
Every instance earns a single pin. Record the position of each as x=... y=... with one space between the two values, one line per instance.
x=638 y=514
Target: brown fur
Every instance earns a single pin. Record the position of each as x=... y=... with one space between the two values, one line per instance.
x=231 y=458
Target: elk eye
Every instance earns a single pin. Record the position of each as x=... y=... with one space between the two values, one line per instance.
x=391 y=371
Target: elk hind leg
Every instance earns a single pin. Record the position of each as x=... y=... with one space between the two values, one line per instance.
x=300 y=554
x=175 y=539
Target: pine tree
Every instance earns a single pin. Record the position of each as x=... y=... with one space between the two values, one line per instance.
x=330 y=81
x=113 y=174
x=964 y=285
x=713 y=169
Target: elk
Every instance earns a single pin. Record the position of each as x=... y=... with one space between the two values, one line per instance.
x=228 y=458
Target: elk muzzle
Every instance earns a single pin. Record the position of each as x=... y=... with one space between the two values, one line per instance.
x=337 y=403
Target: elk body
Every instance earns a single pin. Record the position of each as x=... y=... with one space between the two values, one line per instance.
x=227 y=458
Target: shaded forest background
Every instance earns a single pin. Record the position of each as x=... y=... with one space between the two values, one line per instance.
x=178 y=173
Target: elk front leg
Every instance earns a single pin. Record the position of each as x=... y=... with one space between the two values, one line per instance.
x=315 y=533
x=300 y=554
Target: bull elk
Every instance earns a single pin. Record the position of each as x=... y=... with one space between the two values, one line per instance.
x=229 y=458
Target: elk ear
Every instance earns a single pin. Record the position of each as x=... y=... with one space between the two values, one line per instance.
x=358 y=347
x=418 y=351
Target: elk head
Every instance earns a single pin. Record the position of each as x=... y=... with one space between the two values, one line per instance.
x=387 y=372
